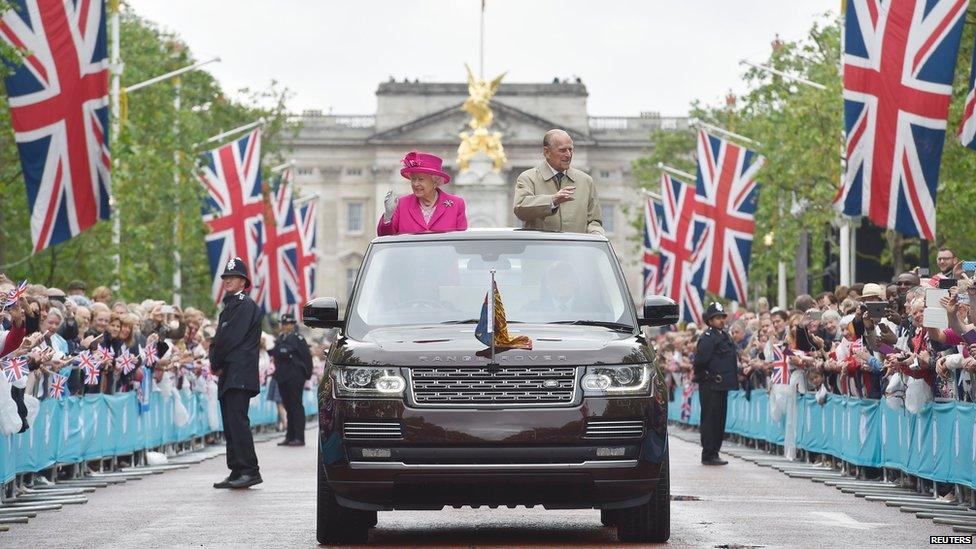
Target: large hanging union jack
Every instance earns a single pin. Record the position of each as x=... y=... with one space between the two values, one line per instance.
x=653 y=210
x=678 y=253
x=307 y=215
x=899 y=59
x=726 y=196
x=59 y=110
x=967 y=127
x=233 y=205
x=276 y=275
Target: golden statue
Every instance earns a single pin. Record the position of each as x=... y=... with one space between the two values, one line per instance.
x=478 y=106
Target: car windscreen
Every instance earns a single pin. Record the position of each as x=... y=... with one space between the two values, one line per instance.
x=424 y=283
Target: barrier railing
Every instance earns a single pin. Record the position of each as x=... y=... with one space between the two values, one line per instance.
x=936 y=444
x=92 y=427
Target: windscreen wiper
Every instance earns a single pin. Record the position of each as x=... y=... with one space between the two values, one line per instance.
x=475 y=321
x=612 y=325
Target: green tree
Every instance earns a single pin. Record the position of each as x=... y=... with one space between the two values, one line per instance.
x=153 y=181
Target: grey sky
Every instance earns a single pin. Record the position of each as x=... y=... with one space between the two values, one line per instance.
x=633 y=55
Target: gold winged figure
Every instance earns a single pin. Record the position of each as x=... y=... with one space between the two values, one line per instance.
x=478 y=105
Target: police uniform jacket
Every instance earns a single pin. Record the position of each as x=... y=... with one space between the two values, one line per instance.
x=716 y=362
x=292 y=357
x=234 y=350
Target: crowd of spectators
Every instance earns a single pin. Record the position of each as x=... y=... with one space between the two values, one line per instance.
x=909 y=341
x=146 y=347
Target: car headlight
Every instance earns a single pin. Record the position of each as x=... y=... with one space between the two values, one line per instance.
x=369 y=382
x=617 y=380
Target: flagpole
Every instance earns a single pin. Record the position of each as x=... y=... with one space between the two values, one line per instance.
x=282 y=167
x=780 y=73
x=675 y=171
x=844 y=224
x=171 y=74
x=115 y=67
x=651 y=195
x=259 y=122
x=481 y=50
x=177 y=258
x=491 y=319
x=726 y=133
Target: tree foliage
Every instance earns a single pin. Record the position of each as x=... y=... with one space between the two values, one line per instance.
x=153 y=182
x=801 y=134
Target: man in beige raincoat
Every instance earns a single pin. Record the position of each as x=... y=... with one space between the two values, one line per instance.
x=554 y=196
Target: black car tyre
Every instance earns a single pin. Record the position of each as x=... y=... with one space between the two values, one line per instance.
x=336 y=524
x=651 y=522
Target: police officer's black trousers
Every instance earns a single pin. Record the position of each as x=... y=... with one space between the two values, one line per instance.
x=712 y=426
x=291 y=399
x=241 y=459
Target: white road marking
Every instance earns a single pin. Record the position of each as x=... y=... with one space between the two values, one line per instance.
x=844 y=521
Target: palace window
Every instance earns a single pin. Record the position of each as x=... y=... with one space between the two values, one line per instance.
x=305 y=171
x=354 y=217
x=354 y=171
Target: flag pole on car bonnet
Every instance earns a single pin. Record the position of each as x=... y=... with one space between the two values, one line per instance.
x=491 y=318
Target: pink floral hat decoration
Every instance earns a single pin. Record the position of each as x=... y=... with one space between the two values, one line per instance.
x=419 y=162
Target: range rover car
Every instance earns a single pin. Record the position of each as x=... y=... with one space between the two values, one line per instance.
x=415 y=413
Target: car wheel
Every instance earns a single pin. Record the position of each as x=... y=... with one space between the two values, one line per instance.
x=608 y=517
x=651 y=522
x=337 y=524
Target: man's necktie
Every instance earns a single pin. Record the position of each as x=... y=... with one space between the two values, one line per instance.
x=559 y=179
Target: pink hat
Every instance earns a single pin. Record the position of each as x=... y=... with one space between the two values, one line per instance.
x=418 y=162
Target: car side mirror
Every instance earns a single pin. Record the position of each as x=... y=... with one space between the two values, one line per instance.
x=322 y=312
x=659 y=311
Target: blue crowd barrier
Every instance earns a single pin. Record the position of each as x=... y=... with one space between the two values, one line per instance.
x=937 y=443
x=98 y=426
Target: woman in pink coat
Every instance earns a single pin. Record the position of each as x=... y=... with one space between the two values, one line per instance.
x=428 y=209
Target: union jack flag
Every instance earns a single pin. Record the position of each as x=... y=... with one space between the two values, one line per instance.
x=307 y=215
x=653 y=210
x=106 y=354
x=233 y=205
x=967 y=127
x=16 y=294
x=899 y=60
x=778 y=359
x=58 y=383
x=59 y=111
x=726 y=196
x=86 y=361
x=126 y=361
x=150 y=355
x=15 y=368
x=677 y=250
x=276 y=277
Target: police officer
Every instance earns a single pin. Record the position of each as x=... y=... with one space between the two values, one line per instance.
x=715 y=372
x=234 y=358
x=293 y=365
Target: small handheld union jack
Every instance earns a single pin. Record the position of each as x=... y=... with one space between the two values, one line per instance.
x=106 y=354
x=87 y=363
x=150 y=355
x=16 y=294
x=58 y=382
x=15 y=368
x=126 y=361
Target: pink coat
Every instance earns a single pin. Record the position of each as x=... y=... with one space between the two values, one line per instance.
x=407 y=217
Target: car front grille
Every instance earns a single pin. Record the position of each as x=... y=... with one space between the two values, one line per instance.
x=362 y=430
x=506 y=386
x=614 y=429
